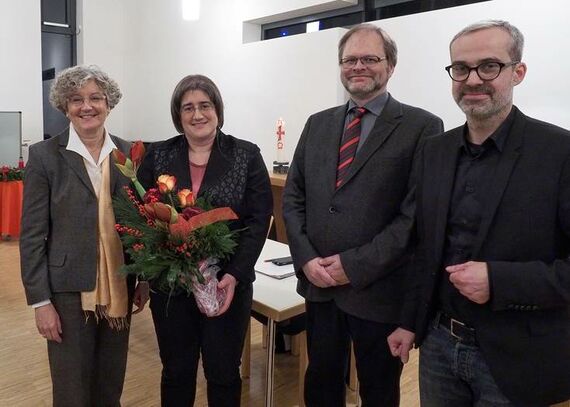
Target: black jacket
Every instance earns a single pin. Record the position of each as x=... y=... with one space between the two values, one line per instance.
x=524 y=236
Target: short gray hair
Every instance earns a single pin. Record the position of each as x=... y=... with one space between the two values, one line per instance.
x=390 y=47
x=517 y=37
x=70 y=80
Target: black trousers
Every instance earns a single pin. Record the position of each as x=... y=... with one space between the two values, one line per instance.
x=88 y=366
x=329 y=331
x=183 y=333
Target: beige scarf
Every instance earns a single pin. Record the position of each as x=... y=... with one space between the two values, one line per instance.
x=109 y=300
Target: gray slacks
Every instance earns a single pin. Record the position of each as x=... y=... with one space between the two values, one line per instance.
x=88 y=366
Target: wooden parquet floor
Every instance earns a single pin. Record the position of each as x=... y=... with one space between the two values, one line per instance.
x=24 y=371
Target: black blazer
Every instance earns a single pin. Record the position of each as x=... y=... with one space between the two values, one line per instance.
x=235 y=176
x=524 y=236
x=361 y=220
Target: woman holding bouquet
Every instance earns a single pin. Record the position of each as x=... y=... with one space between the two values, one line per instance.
x=228 y=172
x=70 y=252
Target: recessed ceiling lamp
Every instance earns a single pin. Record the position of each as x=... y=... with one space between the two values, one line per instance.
x=191 y=10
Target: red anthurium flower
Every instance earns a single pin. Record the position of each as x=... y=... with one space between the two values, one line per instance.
x=149 y=209
x=129 y=165
x=120 y=158
x=137 y=153
x=160 y=211
x=124 y=164
x=166 y=183
x=186 y=198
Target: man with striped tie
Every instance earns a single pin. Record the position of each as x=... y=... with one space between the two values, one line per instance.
x=348 y=207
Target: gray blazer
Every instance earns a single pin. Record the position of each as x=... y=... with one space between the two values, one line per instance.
x=58 y=242
x=366 y=220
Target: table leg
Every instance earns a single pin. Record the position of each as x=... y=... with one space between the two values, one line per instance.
x=303 y=360
x=270 y=362
x=246 y=354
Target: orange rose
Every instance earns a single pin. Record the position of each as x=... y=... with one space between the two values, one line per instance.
x=166 y=183
x=186 y=198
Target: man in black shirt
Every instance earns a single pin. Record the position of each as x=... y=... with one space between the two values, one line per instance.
x=492 y=280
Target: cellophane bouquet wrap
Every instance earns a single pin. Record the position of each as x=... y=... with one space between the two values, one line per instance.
x=175 y=241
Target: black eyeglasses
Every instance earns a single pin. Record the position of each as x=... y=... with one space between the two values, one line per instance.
x=487 y=71
x=367 y=60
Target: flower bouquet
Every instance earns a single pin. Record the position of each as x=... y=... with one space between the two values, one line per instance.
x=11 y=173
x=172 y=239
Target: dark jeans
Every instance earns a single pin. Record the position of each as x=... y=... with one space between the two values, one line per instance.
x=183 y=333
x=455 y=375
x=329 y=331
x=88 y=366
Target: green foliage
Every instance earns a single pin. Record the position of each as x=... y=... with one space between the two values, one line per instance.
x=11 y=174
x=170 y=262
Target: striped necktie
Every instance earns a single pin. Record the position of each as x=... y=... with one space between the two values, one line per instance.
x=348 y=145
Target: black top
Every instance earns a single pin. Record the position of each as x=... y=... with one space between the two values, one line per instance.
x=473 y=176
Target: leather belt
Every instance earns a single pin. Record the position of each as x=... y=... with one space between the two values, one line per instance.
x=459 y=330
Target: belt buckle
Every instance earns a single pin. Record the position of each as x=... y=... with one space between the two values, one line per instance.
x=451 y=328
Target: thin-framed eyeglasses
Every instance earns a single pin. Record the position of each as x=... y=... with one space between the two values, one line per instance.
x=93 y=100
x=366 y=60
x=204 y=107
x=487 y=71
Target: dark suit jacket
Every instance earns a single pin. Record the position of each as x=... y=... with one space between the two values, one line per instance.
x=524 y=236
x=361 y=220
x=58 y=243
x=235 y=176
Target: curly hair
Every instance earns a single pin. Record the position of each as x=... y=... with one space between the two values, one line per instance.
x=70 y=80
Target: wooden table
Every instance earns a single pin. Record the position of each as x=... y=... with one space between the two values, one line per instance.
x=10 y=208
x=278 y=301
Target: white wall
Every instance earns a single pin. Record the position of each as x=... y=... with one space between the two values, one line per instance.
x=260 y=82
x=20 y=64
x=265 y=11
x=423 y=42
x=101 y=41
x=148 y=48
x=295 y=76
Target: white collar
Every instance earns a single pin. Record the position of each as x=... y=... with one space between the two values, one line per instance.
x=75 y=144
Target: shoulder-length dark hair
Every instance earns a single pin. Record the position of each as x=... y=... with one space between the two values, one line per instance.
x=195 y=82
